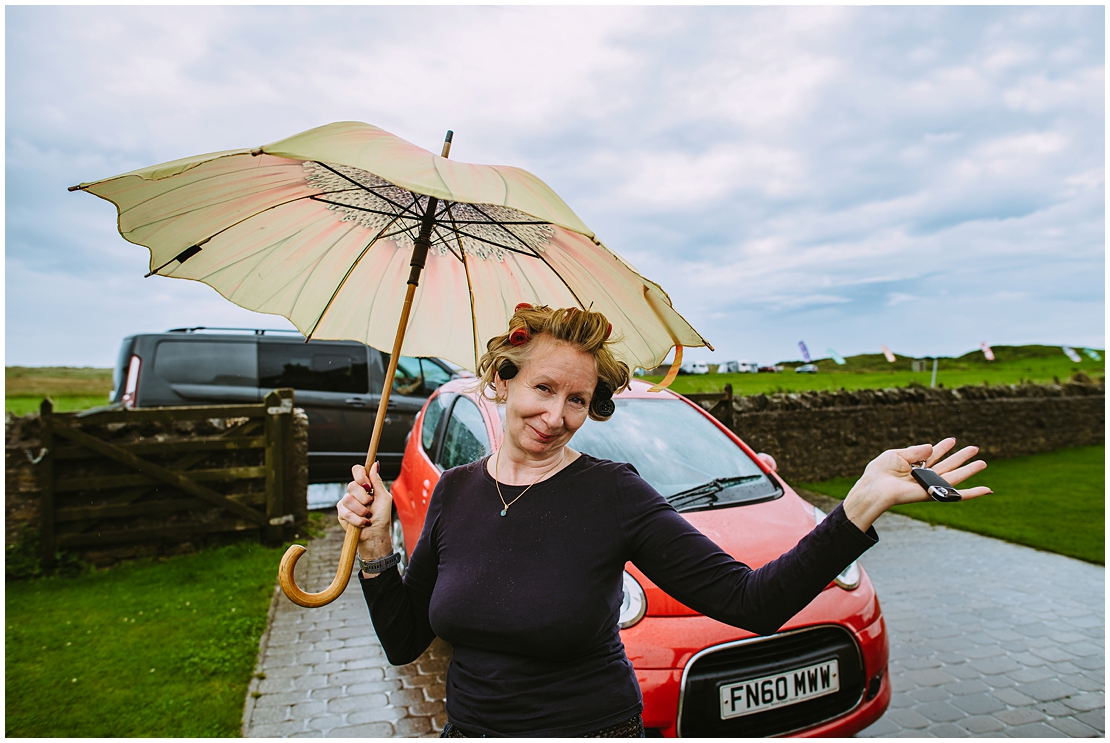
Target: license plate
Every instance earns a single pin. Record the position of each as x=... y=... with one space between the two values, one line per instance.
x=780 y=689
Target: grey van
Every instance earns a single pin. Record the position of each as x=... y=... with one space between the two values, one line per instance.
x=338 y=383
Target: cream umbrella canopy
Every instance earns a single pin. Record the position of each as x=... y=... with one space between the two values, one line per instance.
x=333 y=228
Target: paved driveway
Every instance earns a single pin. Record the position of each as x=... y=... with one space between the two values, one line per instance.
x=324 y=673
x=987 y=639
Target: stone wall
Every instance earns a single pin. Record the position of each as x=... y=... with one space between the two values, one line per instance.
x=22 y=495
x=821 y=435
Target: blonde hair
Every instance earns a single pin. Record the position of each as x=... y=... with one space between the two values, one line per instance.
x=586 y=330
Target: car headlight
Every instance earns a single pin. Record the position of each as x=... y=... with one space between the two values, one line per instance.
x=634 y=604
x=849 y=577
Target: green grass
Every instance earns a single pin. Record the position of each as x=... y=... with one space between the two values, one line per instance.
x=69 y=388
x=23 y=405
x=146 y=648
x=1053 y=501
x=1013 y=365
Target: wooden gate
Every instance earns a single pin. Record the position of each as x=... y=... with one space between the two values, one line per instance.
x=165 y=475
x=721 y=407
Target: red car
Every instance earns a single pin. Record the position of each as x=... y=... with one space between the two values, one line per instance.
x=823 y=674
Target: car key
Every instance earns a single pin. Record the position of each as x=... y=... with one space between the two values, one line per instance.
x=934 y=484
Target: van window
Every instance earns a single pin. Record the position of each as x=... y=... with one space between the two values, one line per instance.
x=306 y=367
x=466 y=440
x=408 y=379
x=207 y=362
x=435 y=376
x=418 y=377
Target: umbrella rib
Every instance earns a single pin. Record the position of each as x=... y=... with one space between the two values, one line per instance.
x=503 y=227
x=469 y=289
x=346 y=276
x=539 y=255
x=369 y=189
x=497 y=244
x=364 y=208
x=230 y=226
x=446 y=242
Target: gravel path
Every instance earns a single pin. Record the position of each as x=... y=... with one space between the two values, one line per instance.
x=988 y=639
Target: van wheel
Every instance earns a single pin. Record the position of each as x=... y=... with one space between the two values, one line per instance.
x=397 y=537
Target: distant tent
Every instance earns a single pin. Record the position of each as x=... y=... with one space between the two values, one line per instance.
x=836 y=357
x=888 y=353
x=1071 y=354
x=987 y=351
x=1092 y=353
x=805 y=352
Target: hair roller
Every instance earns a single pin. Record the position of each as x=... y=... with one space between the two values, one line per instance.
x=609 y=331
x=507 y=370
x=602 y=405
x=522 y=306
x=520 y=336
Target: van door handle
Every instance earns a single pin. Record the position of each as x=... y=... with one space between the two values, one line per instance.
x=357 y=402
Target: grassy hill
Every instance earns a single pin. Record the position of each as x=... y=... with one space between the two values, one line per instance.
x=1012 y=365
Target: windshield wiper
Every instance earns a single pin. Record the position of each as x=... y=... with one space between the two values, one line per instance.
x=707 y=492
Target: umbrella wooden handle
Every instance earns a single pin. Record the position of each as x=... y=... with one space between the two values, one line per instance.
x=350 y=541
x=332 y=592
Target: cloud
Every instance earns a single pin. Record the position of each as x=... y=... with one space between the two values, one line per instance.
x=838 y=174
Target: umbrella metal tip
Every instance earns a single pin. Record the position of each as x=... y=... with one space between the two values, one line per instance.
x=450 y=134
x=74 y=188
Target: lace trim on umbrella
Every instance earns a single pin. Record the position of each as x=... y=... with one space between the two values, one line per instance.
x=486 y=231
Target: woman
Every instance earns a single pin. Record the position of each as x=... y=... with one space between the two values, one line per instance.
x=519 y=564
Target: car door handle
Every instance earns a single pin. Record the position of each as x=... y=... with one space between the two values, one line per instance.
x=357 y=402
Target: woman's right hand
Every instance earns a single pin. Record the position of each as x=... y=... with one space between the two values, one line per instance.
x=368 y=507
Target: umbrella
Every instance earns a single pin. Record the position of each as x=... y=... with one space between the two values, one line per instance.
x=334 y=228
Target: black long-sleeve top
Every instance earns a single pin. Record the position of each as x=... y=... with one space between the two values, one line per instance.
x=529 y=601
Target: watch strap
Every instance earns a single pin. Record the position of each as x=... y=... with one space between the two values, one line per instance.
x=377 y=566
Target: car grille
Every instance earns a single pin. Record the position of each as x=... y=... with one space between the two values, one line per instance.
x=700 y=706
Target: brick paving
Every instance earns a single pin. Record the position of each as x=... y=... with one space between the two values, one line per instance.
x=988 y=639
x=322 y=672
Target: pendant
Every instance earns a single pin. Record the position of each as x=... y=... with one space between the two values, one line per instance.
x=504 y=511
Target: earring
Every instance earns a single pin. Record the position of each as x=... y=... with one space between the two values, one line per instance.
x=507 y=370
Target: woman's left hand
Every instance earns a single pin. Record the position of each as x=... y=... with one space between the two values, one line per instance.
x=887 y=480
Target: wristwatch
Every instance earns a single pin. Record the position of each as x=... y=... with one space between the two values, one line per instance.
x=377 y=566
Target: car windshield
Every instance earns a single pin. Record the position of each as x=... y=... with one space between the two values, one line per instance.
x=683 y=455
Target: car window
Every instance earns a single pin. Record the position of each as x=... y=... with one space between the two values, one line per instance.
x=466 y=440
x=435 y=376
x=432 y=416
x=320 y=368
x=207 y=362
x=673 y=447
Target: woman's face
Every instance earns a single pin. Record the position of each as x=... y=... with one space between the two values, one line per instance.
x=549 y=398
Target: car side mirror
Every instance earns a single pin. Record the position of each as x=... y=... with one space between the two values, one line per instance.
x=768 y=461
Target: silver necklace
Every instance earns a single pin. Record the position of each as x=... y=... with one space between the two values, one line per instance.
x=497 y=481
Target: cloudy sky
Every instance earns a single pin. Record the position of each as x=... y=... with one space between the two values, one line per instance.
x=927 y=178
